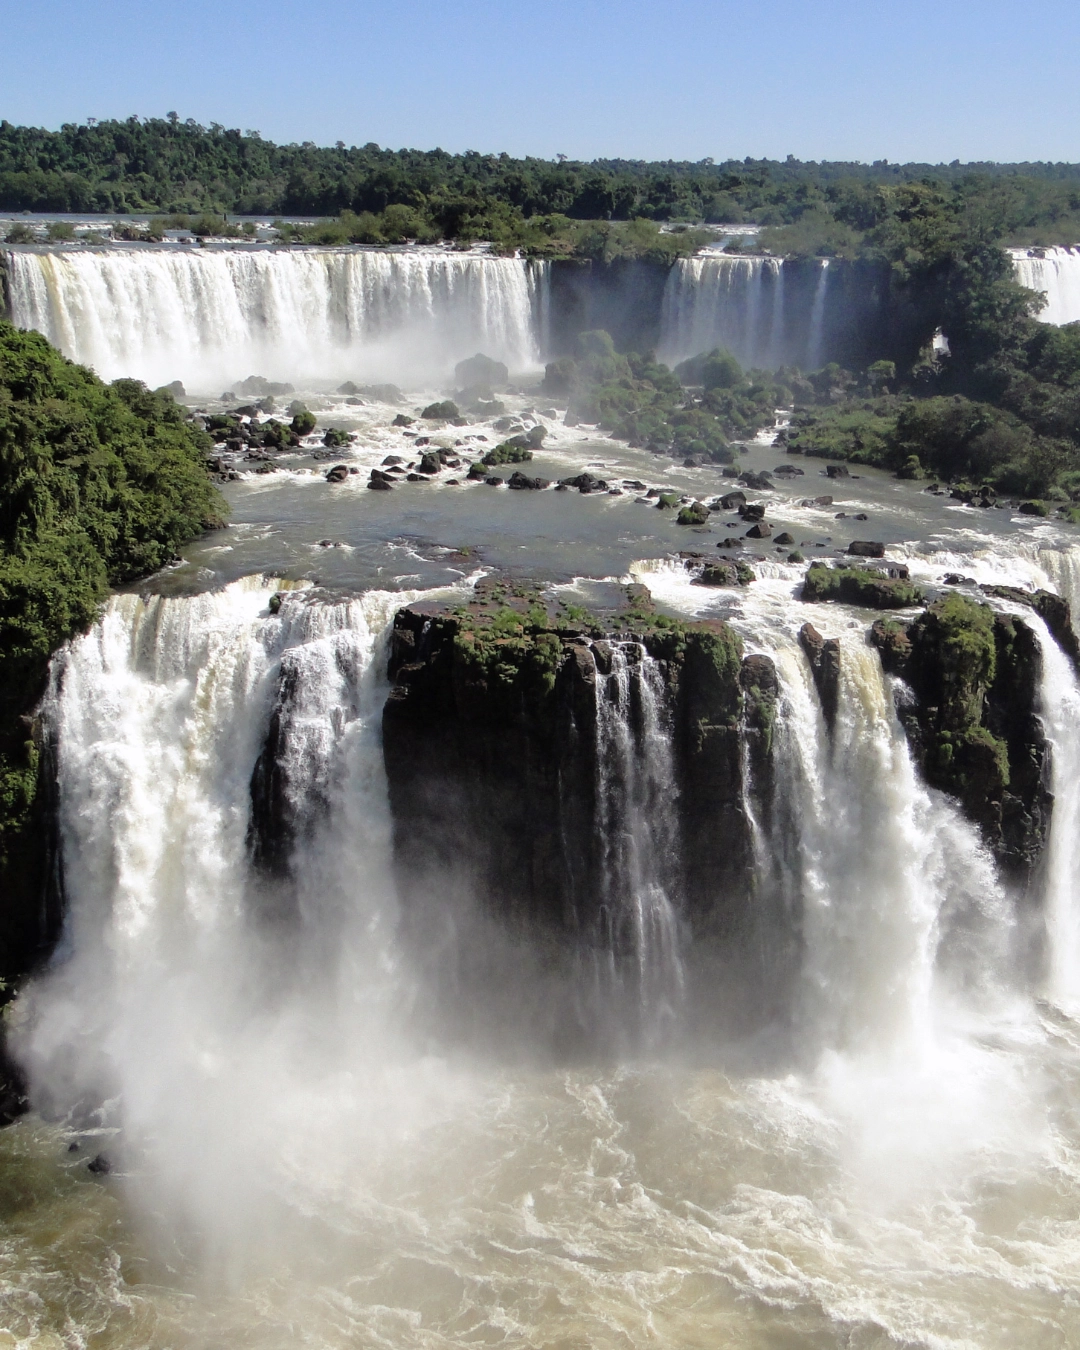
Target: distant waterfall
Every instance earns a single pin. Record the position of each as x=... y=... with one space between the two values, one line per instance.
x=723 y=301
x=638 y=831
x=212 y=316
x=766 y=311
x=1057 y=272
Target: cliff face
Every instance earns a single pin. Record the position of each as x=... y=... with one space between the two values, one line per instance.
x=493 y=746
x=972 y=723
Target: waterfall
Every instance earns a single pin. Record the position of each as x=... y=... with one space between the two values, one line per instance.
x=1059 y=708
x=182 y=987
x=901 y=908
x=719 y=300
x=1056 y=271
x=210 y=316
x=638 y=832
x=817 y=318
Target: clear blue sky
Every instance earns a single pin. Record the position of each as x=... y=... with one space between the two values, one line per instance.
x=835 y=79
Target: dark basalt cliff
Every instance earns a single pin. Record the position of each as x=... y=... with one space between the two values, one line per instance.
x=492 y=747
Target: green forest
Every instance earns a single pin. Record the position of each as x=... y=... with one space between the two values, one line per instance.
x=170 y=165
x=99 y=484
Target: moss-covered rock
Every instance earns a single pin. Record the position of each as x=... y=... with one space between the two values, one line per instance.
x=973 y=725
x=865 y=587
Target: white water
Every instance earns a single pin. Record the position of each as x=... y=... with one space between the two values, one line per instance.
x=211 y=317
x=637 y=795
x=299 y=1170
x=1057 y=273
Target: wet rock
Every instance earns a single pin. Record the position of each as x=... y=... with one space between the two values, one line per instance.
x=522 y=482
x=402 y=421
x=480 y=372
x=730 y=542
x=725 y=574
x=785 y=538
x=837 y=471
x=752 y=511
x=393 y=459
x=338 y=473
x=493 y=480
x=761 y=530
x=824 y=657
x=866 y=548
x=445 y=410
x=430 y=463
x=100 y=1166
x=732 y=501
x=585 y=483
x=382 y=484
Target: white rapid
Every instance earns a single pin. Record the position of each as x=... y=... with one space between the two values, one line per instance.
x=212 y=316
x=1056 y=271
x=719 y=300
x=637 y=797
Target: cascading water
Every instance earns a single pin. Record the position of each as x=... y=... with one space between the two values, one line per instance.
x=717 y=300
x=1059 y=707
x=1055 y=271
x=212 y=316
x=899 y=899
x=636 y=803
x=817 y=318
x=293 y=1158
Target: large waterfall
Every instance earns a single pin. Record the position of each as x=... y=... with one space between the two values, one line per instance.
x=241 y=1041
x=210 y=316
x=1055 y=271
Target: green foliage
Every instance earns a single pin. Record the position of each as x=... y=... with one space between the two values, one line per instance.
x=697 y=513
x=20 y=234
x=60 y=231
x=98 y=484
x=506 y=453
x=303 y=423
x=438 y=411
x=859 y=586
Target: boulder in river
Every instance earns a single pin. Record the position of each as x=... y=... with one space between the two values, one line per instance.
x=338 y=473
x=866 y=548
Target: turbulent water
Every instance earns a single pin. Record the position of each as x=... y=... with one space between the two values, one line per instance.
x=299 y=1158
x=1055 y=271
x=210 y=317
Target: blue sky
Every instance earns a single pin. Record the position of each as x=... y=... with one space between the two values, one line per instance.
x=928 y=80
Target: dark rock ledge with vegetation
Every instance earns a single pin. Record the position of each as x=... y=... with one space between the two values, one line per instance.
x=492 y=751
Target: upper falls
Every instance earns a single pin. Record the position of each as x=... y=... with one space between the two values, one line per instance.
x=212 y=316
x=1056 y=272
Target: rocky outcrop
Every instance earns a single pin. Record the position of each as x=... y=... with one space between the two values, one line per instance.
x=490 y=739
x=972 y=722
x=824 y=657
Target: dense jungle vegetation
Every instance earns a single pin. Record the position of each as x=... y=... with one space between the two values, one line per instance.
x=99 y=484
x=173 y=165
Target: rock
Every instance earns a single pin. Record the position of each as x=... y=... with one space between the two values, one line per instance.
x=837 y=471
x=730 y=542
x=1033 y=509
x=785 y=538
x=585 y=483
x=752 y=511
x=732 y=501
x=493 y=480
x=824 y=657
x=338 y=473
x=759 y=482
x=866 y=548
x=381 y=484
x=858 y=586
x=443 y=411
x=955 y=579
x=521 y=482
x=393 y=459
x=100 y=1166
x=481 y=372
x=402 y=421
x=694 y=514
x=861 y=516
x=761 y=530
x=430 y=463
x=725 y=574
x=348 y=388
x=788 y=471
